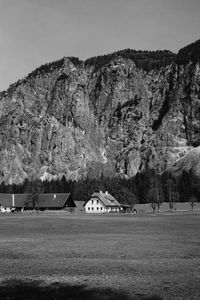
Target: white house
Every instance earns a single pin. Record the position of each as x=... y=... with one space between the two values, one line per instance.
x=102 y=203
x=5 y=209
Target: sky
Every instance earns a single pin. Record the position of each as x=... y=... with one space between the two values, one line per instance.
x=34 y=32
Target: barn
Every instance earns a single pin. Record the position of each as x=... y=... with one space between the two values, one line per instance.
x=6 y=202
x=9 y=202
x=102 y=203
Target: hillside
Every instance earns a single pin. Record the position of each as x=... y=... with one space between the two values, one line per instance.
x=115 y=115
x=190 y=161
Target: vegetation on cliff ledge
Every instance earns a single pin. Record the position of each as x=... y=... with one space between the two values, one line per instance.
x=146 y=60
x=190 y=53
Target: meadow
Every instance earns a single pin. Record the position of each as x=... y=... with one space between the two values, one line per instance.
x=118 y=256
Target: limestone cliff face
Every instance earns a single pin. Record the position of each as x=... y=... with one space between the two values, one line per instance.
x=71 y=119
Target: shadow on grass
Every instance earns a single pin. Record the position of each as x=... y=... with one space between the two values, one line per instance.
x=38 y=290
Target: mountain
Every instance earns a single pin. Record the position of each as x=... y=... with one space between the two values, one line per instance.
x=115 y=115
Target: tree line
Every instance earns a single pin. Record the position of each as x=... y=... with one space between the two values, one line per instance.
x=145 y=187
x=146 y=60
x=190 y=53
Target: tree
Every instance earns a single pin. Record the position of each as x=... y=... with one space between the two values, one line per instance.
x=143 y=183
x=189 y=187
x=9 y=189
x=3 y=187
x=152 y=198
x=33 y=189
x=174 y=198
x=193 y=199
x=185 y=186
x=63 y=184
x=155 y=194
x=172 y=193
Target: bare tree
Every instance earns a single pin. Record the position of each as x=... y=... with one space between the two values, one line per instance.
x=155 y=193
x=193 y=199
x=33 y=189
x=173 y=194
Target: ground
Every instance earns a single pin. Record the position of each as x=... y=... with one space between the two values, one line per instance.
x=122 y=256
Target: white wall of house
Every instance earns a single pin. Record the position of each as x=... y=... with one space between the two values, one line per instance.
x=94 y=206
x=113 y=209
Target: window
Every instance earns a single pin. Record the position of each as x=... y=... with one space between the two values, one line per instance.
x=88 y=208
x=97 y=208
x=92 y=201
x=101 y=208
x=97 y=201
x=92 y=208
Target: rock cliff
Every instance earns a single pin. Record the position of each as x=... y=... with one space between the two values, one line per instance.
x=115 y=118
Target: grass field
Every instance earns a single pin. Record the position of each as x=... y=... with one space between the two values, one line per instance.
x=60 y=256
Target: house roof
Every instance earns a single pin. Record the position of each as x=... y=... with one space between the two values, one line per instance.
x=44 y=200
x=6 y=199
x=106 y=199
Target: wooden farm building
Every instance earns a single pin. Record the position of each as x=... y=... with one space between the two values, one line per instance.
x=125 y=207
x=9 y=202
x=102 y=203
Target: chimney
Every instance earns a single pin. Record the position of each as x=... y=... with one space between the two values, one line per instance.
x=100 y=192
x=106 y=192
x=54 y=196
x=13 y=200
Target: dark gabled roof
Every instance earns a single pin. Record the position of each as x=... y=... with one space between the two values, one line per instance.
x=106 y=199
x=6 y=200
x=44 y=200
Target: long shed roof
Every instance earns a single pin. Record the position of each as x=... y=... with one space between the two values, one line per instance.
x=44 y=200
